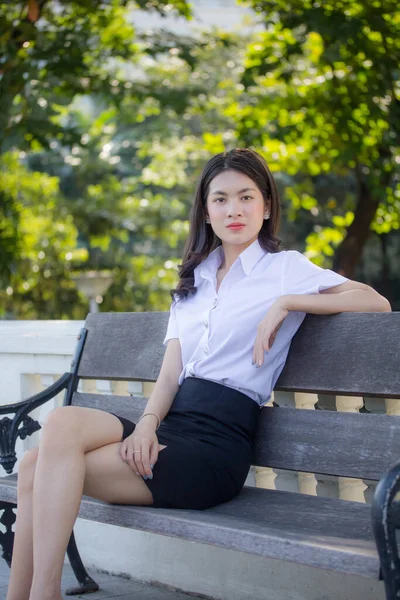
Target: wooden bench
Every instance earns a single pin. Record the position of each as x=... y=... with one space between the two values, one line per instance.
x=347 y=354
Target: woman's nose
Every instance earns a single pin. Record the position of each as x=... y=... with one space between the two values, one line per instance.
x=234 y=209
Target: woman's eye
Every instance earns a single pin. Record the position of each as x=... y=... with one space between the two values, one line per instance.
x=243 y=198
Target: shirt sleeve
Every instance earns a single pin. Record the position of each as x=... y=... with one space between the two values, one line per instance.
x=301 y=276
x=172 y=328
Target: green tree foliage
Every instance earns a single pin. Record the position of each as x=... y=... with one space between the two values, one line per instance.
x=51 y=55
x=128 y=175
x=325 y=101
x=52 y=51
x=112 y=138
x=34 y=279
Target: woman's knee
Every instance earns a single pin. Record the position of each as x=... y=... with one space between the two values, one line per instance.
x=62 y=425
x=26 y=471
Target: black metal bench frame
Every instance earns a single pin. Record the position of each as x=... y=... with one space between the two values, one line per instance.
x=385 y=508
x=10 y=430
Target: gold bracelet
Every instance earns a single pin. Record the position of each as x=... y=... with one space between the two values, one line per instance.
x=155 y=415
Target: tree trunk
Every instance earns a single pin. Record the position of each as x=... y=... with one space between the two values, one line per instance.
x=350 y=250
x=386 y=287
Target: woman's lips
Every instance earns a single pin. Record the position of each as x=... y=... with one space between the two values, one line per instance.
x=235 y=227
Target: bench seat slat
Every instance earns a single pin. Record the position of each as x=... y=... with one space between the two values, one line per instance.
x=319 y=532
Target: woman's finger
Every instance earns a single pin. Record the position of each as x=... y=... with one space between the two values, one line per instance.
x=145 y=458
x=125 y=450
x=154 y=453
x=258 y=349
x=139 y=460
x=131 y=460
x=130 y=453
x=146 y=461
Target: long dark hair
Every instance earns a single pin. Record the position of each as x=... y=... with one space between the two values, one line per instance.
x=202 y=239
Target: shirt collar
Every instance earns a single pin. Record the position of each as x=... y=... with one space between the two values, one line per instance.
x=248 y=259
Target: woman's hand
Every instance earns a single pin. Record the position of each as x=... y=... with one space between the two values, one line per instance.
x=140 y=449
x=267 y=330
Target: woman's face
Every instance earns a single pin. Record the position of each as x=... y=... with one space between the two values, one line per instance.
x=234 y=197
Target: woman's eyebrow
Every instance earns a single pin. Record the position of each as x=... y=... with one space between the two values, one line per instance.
x=239 y=192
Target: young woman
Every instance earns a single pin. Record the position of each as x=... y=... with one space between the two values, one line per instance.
x=238 y=303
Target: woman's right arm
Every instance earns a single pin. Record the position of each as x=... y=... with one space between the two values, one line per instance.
x=144 y=437
x=166 y=385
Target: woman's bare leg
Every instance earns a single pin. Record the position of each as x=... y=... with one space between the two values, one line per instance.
x=22 y=559
x=64 y=469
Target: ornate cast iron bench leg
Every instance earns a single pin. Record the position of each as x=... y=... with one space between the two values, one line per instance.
x=7 y=519
x=86 y=583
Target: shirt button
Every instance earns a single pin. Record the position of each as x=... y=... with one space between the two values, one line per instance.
x=206 y=351
x=215 y=302
x=191 y=373
x=205 y=324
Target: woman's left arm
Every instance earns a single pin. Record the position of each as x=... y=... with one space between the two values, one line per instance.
x=350 y=296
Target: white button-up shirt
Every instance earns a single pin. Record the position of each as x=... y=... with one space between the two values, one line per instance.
x=217 y=330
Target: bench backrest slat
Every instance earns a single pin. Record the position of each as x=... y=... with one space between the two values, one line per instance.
x=349 y=353
x=357 y=445
x=130 y=407
x=345 y=354
x=124 y=346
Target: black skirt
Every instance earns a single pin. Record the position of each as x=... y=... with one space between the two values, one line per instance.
x=209 y=432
